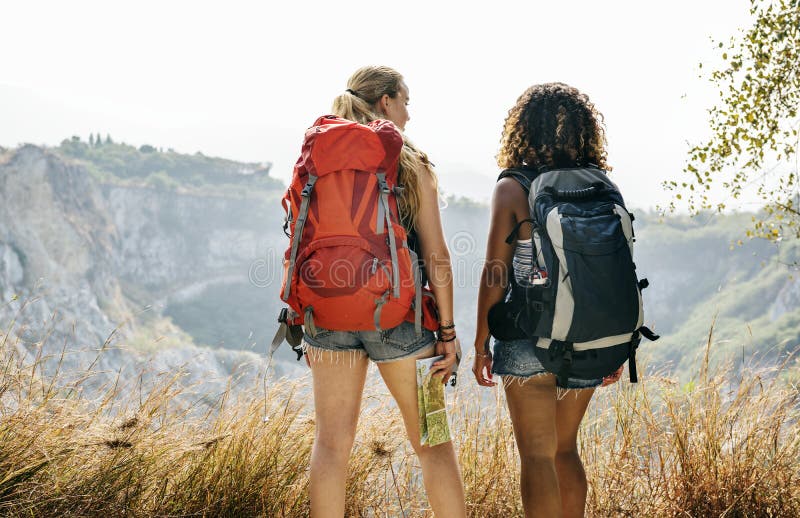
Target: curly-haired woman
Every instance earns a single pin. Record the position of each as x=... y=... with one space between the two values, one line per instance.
x=551 y=126
x=339 y=359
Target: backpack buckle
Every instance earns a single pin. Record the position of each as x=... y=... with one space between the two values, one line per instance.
x=306 y=192
x=537 y=306
x=283 y=315
x=383 y=186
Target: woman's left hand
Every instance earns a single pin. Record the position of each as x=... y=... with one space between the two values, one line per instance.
x=447 y=364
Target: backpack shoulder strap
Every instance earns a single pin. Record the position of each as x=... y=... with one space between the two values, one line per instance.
x=523 y=176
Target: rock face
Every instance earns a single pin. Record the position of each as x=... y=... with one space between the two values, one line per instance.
x=86 y=265
x=57 y=241
x=166 y=238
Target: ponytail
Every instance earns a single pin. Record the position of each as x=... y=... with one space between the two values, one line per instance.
x=364 y=89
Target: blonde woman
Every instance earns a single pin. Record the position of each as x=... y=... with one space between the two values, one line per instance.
x=551 y=126
x=339 y=359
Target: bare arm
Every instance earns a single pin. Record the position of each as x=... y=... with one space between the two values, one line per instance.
x=436 y=259
x=494 y=277
x=435 y=255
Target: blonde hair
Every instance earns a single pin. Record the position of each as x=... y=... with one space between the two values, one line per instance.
x=364 y=89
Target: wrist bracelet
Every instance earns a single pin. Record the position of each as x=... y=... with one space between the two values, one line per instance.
x=448 y=339
x=483 y=355
x=450 y=326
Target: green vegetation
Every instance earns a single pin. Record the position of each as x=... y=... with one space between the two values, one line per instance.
x=755 y=123
x=463 y=203
x=119 y=163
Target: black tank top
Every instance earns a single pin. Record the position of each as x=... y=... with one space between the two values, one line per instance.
x=414 y=244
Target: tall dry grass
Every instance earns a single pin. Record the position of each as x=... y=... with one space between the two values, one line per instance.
x=725 y=444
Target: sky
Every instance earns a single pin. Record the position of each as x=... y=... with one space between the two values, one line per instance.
x=243 y=80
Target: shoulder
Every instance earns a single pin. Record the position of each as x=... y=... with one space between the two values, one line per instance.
x=426 y=179
x=508 y=191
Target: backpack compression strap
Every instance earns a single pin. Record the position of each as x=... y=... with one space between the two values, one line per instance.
x=293 y=334
x=384 y=202
x=637 y=338
x=298 y=233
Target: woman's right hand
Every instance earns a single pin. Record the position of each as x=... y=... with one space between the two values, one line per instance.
x=482 y=368
x=612 y=378
x=447 y=365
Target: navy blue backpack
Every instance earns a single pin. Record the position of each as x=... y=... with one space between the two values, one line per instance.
x=583 y=304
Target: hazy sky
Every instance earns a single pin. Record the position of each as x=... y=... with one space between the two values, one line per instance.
x=243 y=80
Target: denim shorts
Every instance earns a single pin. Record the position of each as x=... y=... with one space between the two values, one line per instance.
x=517 y=358
x=392 y=344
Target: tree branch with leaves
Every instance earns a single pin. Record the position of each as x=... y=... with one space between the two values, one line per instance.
x=755 y=129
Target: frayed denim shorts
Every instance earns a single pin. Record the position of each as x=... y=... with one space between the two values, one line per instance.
x=517 y=358
x=392 y=344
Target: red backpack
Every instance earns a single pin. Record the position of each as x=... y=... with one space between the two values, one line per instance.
x=348 y=266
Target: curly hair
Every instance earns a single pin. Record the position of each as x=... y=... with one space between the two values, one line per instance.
x=554 y=125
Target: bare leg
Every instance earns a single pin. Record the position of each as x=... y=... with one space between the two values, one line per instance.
x=532 y=406
x=338 y=384
x=440 y=472
x=571 y=476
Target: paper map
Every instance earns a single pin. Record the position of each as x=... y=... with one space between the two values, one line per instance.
x=433 y=426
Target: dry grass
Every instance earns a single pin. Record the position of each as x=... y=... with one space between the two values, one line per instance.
x=723 y=445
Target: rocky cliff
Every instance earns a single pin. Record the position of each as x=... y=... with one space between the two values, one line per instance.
x=86 y=264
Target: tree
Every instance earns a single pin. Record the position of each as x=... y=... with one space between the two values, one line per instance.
x=91 y=139
x=108 y=139
x=754 y=126
x=98 y=141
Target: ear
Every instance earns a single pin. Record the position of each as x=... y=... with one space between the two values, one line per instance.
x=383 y=103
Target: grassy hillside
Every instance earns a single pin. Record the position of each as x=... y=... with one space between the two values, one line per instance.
x=703 y=270
x=720 y=445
